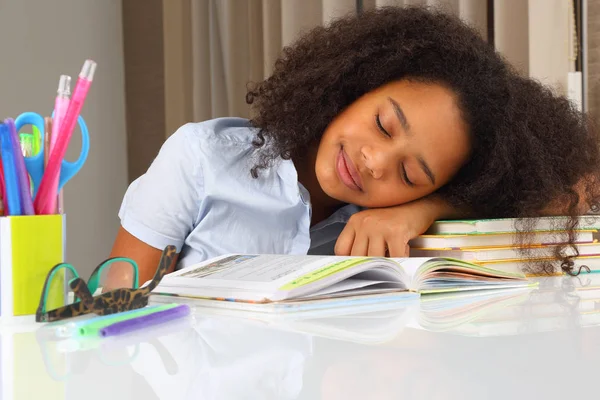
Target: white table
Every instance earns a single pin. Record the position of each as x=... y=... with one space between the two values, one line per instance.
x=541 y=345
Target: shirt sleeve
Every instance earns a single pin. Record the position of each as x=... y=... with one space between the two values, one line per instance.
x=160 y=207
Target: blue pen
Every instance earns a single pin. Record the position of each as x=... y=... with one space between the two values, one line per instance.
x=11 y=183
x=22 y=176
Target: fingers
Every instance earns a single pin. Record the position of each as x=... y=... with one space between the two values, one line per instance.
x=344 y=243
x=378 y=233
x=350 y=243
x=360 y=247
x=398 y=248
x=377 y=247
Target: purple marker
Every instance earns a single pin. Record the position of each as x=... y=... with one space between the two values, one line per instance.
x=22 y=175
x=145 y=321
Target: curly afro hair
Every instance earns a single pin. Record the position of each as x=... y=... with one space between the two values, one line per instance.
x=531 y=149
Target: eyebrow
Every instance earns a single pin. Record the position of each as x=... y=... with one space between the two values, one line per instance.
x=400 y=114
x=427 y=170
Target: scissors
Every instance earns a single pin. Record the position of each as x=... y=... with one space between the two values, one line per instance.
x=35 y=163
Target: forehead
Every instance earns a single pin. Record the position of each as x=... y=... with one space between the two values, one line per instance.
x=423 y=97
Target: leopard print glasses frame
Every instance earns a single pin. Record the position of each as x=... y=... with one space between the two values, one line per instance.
x=122 y=299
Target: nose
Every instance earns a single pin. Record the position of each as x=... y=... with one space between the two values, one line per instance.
x=377 y=160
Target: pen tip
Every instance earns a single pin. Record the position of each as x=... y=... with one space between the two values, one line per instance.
x=64 y=85
x=88 y=70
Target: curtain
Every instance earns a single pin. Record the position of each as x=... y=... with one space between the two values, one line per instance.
x=237 y=41
x=537 y=36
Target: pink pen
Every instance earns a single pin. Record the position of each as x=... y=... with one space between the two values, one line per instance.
x=61 y=104
x=45 y=200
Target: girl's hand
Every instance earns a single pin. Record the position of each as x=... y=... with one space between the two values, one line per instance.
x=385 y=232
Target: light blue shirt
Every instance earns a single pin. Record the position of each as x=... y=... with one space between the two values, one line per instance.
x=198 y=195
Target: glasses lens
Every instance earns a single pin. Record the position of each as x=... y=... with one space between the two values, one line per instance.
x=115 y=274
x=58 y=293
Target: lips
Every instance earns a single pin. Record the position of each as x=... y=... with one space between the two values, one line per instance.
x=347 y=171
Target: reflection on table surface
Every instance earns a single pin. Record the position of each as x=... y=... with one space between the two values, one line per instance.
x=538 y=343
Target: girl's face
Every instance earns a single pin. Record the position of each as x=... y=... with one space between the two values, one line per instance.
x=396 y=144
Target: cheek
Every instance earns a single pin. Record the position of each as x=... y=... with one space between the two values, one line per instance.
x=325 y=172
x=323 y=161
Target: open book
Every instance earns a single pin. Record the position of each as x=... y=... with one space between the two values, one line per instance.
x=305 y=279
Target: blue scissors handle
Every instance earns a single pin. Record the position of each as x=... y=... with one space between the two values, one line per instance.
x=69 y=169
x=35 y=163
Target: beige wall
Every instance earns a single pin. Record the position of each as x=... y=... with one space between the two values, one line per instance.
x=28 y=80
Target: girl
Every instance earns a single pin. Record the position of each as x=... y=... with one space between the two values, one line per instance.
x=367 y=131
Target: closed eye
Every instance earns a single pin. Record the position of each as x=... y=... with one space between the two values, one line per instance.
x=380 y=127
x=405 y=177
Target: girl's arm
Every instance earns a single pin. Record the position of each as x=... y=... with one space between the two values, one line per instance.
x=146 y=257
x=160 y=207
x=386 y=231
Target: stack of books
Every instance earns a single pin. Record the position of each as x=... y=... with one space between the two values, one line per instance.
x=498 y=244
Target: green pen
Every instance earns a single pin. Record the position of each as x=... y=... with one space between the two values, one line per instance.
x=27 y=143
x=36 y=140
x=69 y=329
x=92 y=327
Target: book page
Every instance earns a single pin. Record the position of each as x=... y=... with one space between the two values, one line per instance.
x=250 y=268
x=351 y=284
x=273 y=277
x=411 y=265
x=249 y=273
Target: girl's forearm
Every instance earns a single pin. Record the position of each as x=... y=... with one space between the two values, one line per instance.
x=436 y=208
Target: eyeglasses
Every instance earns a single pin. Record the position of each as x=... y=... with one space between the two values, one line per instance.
x=54 y=293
